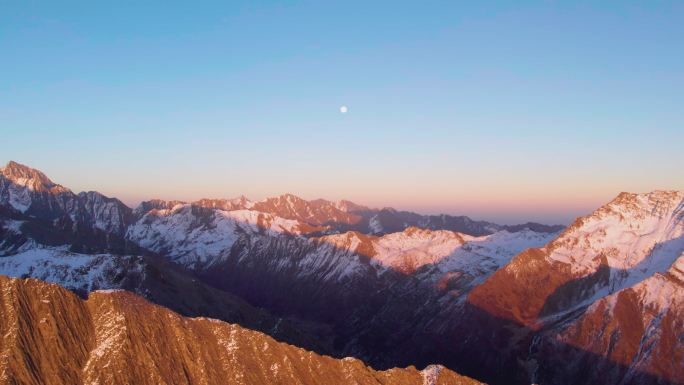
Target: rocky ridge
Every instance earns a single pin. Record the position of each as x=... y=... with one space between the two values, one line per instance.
x=51 y=336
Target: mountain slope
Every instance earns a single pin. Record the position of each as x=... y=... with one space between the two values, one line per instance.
x=196 y=236
x=51 y=336
x=617 y=246
x=640 y=328
x=605 y=294
x=88 y=221
x=160 y=282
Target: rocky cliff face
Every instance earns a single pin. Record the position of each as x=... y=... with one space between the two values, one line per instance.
x=51 y=336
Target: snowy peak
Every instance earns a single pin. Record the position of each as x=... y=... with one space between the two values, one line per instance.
x=353 y=241
x=61 y=216
x=317 y=212
x=30 y=178
x=197 y=236
x=155 y=204
x=633 y=207
x=409 y=250
x=627 y=231
x=619 y=245
x=239 y=203
x=413 y=248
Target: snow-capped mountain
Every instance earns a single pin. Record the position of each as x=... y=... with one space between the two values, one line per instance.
x=617 y=246
x=639 y=328
x=195 y=236
x=240 y=203
x=413 y=248
x=601 y=295
x=32 y=193
x=53 y=214
x=317 y=212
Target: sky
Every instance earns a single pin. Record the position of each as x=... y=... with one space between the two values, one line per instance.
x=505 y=111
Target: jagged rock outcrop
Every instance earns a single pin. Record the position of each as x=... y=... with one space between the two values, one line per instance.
x=50 y=336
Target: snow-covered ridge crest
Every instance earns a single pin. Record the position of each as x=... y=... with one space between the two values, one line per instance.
x=30 y=192
x=196 y=236
x=316 y=212
x=626 y=241
x=83 y=272
x=413 y=248
x=199 y=237
x=638 y=327
x=30 y=178
x=645 y=230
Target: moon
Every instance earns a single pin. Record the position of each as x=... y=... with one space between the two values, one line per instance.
x=344 y=109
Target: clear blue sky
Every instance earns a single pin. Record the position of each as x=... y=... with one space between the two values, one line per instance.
x=510 y=110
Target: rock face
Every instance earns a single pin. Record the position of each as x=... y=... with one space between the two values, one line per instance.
x=50 y=336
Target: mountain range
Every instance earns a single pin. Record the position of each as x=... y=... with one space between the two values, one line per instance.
x=597 y=302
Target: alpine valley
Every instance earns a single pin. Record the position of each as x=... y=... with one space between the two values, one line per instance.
x=219 y=291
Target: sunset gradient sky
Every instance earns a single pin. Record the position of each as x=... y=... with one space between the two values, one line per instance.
x=509 y=111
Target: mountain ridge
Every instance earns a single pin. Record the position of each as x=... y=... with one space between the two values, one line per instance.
x=339 y=216
x=94 y=341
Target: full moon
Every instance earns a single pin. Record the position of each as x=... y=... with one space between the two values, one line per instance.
x=344 y=109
